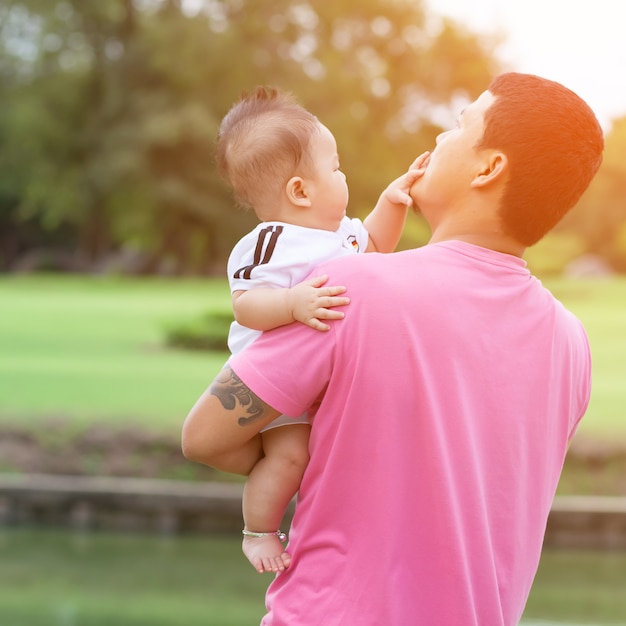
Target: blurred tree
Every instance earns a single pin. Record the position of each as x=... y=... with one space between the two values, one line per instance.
x=34 y=179
x=110 y=110
x=600 y=216
x=48 y=89
x=379 y=72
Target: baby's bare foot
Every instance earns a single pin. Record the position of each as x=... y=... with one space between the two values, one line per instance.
x=266 y=554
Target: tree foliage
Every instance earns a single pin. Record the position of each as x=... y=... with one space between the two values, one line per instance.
x=110 y=110
x=600 y=216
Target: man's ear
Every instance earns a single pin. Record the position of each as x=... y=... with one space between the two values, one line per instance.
x=297 y=193
x=494 y=169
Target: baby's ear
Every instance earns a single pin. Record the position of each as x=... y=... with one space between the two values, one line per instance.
x=297 y=193
x=494 y=167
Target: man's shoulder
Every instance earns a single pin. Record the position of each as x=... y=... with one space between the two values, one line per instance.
x=367 y=266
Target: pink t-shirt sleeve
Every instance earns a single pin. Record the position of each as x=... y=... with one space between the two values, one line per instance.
x=288 y=367
x=582 y=391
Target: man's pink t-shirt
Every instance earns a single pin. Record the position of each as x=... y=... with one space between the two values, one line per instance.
x=447 y=397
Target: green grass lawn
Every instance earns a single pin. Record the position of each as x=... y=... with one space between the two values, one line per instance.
x=601 y=305
x=92 y=349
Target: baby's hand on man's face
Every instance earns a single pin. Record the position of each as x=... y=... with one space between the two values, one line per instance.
x=309 y=302
x=420 y=163
x=398 y=191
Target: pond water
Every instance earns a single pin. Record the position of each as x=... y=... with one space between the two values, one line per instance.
x=56 y=578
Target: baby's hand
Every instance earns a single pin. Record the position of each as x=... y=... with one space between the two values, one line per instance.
x=309 y=302
x=398 y=191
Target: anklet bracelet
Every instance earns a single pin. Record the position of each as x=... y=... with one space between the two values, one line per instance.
x=281 y=535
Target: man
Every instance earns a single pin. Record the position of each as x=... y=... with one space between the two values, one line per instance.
x=447 y=395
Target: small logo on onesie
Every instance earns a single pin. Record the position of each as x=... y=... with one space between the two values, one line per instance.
x=353 y=243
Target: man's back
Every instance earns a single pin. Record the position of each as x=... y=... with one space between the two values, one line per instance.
x=475 y=378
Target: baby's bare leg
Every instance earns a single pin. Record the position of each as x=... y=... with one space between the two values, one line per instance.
x=271 y=485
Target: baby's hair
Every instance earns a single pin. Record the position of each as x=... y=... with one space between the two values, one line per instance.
x=262 y=142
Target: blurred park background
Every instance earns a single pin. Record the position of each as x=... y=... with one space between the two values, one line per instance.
x=114 y=234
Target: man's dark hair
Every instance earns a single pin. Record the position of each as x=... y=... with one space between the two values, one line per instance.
x=553 y=143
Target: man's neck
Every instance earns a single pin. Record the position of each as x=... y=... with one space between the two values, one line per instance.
x=492 y=241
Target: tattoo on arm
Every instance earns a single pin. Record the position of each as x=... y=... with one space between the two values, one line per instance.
x=229 y=389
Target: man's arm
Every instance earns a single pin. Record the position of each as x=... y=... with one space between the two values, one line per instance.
x=222 y=429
